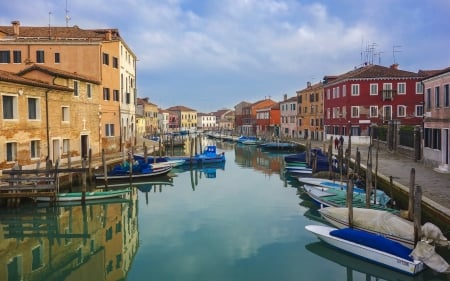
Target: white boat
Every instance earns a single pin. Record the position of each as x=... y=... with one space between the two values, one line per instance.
x=379 y=222
x=325 y=183
x=369 y=246
x=78 y=196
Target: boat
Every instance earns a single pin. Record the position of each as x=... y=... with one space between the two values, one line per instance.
x=355 y=267
x=209 y=155
x=139 y=171
x=369 y=246
x=298 y=171
x=335 y=197
x=91 y=195
x=379 y=222
x=279 y=146
x=322 y=161
x=325 y=183
x=160 y=160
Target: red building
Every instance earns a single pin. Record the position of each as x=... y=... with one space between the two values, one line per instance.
x=371 y=95
x=268 y=121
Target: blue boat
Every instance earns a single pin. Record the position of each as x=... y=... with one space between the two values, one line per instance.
x=139 y=170
x=279 y=146
x=323 y=164
x=209 y=155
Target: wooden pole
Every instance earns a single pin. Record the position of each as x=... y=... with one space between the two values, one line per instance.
x=89 y=165
x=330 y=162
x=350 y=201
x=369 y=178
x=69 y=165
x=105 y=168
x=83 y=187
x=417 y=214
x=145 y=154
x=391 y=186
x=412 y=184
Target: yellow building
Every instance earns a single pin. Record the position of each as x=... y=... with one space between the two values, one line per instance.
x=187 y=117
x=98 y=53
x=310 y=112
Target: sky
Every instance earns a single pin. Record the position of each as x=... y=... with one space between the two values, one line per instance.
x=213 y=54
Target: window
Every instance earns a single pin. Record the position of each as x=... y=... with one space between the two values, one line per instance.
x=446 y=96
x=57 y=57
x=355 y=89
x=355 y=111
x=401 y=111
x=387 y=112
x=33 y=109
x=432 y=138
x=5 y=57
x=109 y=130
x=373 y=111
x=105 y=93
x=373 y=89
x=89 y=90
x=65 y=146
x=428 y=99
x=437 y=97
x=328 y=94
x=36 y=254
x=11 y=151
x=65 y=114
x=9 y=107
x=17 y=56
x=115 y=62
x=105 y=59
x=344 y=90
x=128 y=98
x=401 y=88
x=116 y=95
x=40 y=56
x=419 y=88
x=419 y=111
x=14 y=268
x=35 y=146
x=75 y=88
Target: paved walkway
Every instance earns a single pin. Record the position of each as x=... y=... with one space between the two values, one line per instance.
x=435 y=186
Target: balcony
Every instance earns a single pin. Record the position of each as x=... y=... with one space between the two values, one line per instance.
x=388 y=94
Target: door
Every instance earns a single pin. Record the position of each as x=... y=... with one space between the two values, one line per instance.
x=84 y=146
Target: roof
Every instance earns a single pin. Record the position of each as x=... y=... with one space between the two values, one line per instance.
x=58 y=72
x=180 y=108
x=57 y=32
x=314 y=86
x=432 y=73
x=374 y=71
x=14 y=78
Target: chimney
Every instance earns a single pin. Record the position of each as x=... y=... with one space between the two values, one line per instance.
x=108 y=35
x=15 y=25
x=285 y=97
x=308 y=84
x=394 y=66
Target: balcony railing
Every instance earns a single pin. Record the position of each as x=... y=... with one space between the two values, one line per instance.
x=388 y=94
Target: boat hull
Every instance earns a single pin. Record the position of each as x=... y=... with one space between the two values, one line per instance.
x=78 y=196
x=138 y=176
x=372 y=254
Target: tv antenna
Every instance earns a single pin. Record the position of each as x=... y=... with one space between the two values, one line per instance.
x=395 y=49
x=67 y=16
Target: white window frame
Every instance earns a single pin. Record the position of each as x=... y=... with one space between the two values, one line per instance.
x=109 y=130
x=65 y=146
x=374 y=89
x=384 y=112
x=35 y=149
x=37 y=108
x=419 y=88
x=15 y=111
x=355 y=89
x=419 y=110
x=344 y=90
x=373 y=111
x=65 y=113
x=11 y=149
x=401 y=110
x=355 y=111
x=401 y=88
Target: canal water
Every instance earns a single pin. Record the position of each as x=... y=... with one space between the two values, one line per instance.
x=239 y=221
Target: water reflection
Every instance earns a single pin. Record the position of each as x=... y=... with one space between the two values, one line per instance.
x=96 y=241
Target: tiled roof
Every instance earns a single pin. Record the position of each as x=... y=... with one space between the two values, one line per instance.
x=14 y=78
x=374 y=72
x=57 y=32
x=431 y=73
x=58 y=72
x=180 y=108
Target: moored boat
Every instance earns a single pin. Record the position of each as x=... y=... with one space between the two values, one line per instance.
x=92 y=195
x=369 y=246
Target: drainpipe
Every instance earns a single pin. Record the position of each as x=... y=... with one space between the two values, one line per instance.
x=47 y=123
